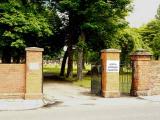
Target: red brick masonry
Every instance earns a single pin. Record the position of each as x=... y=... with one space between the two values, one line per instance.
x=12 y=80
x=23 y=80
x=146 y=75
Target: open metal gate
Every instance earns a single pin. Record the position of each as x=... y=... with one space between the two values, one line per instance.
x=96 y=79
x=125 y=78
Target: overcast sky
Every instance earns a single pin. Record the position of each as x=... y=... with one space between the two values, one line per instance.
x=144 y=11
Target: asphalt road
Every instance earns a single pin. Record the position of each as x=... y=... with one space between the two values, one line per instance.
x=142 y=111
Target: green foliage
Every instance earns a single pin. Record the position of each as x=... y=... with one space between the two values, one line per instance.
x=98 y=19
x=20 y=23
x=129 y=40
x=156 y=45
x=104 y=20
x=93 y=57
x=150 y=35
x=23 y=25
x=26 y=23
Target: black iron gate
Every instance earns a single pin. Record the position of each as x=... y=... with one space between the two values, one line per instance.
x=96 y=79
x=125 y=78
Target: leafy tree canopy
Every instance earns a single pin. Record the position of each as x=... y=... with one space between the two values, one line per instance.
x=98 y=19
x=18 y=21
x=129 y=40
x=151 y=35
x=25 y=24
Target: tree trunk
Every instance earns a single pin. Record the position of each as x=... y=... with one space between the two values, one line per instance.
x=64 y=63
x=80 y=58
x=83 y=62
x=80 y=64
x=70 y=62
x=72 y=38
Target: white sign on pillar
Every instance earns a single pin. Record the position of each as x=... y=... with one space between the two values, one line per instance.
x=112 y=66
x=34 y=66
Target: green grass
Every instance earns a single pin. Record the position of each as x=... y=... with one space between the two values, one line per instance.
x=55 y=70
x=51 y=69
x=86 y=82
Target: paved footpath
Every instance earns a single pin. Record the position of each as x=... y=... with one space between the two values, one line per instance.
x=67 y=94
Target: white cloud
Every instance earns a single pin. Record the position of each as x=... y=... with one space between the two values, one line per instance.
x=144 y=11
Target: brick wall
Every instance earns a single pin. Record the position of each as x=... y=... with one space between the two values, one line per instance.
x=146 y=75
x=12 y=80
x=23 y=80
x=154 y=75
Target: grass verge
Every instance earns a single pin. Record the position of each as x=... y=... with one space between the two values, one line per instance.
x=55 y=70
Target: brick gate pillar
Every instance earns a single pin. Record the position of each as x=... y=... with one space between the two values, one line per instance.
x=33 y=73
x=140 y=62
x=110 y=59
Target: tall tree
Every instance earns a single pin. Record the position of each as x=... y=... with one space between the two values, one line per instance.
x=94 y=19
x=151 y=34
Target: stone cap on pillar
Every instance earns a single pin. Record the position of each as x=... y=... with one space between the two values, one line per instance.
x=34 y=49
x=141 y=52
x=141 y=55
x=110 y=51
